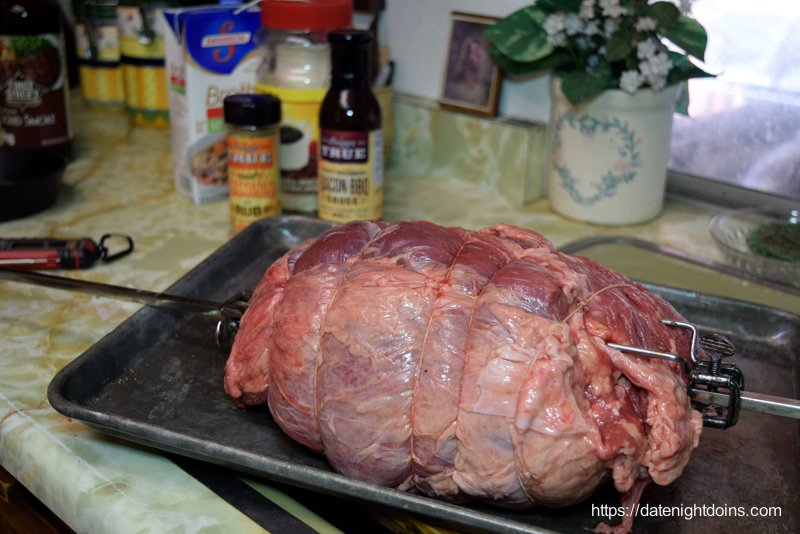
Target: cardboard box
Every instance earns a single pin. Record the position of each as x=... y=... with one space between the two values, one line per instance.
x=210 y=54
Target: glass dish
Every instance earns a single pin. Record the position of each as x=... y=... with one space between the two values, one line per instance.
x=730 y=230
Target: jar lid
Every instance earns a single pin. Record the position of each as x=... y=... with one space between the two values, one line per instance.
x=252 y=110
x=306 y=14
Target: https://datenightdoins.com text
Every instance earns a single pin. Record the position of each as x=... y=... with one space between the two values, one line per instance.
x=687 y=512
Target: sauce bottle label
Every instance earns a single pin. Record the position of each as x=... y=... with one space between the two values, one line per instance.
x=252 y=179
x=33 y=90
x=350 y=175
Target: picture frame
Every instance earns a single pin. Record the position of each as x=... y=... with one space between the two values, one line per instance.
x=471 y=80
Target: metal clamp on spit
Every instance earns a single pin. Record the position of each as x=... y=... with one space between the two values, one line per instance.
x=231 y=311
x=717 y=387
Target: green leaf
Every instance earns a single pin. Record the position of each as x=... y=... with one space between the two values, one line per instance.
x=683 y=69
x=509 y=66
x=664 y=13
x=554 y=6
x=682 y=103
x=580 y=86
x=521 y=36
x=688 y=34
x=556 y=60
x=619 y=46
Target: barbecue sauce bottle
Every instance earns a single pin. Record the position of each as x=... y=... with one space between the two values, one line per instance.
x=34 y=87
x=350 y=161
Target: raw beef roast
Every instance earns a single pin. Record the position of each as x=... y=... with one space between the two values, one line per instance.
x=466 y=364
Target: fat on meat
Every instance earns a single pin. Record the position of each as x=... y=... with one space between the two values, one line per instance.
x=466 y=364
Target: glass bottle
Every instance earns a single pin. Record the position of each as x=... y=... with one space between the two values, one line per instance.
x=296 y=68
x=351 y=139
x=34 y=99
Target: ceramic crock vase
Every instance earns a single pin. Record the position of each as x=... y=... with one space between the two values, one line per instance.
x=608 y=157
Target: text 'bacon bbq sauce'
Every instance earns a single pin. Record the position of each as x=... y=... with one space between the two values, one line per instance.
x=350 y=158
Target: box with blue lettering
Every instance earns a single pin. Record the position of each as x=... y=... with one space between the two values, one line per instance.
x=210 y=53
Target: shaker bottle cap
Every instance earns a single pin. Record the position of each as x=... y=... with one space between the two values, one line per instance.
x=256 y=110
x=321 y=15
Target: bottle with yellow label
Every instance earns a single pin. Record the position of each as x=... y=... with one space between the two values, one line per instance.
x=98 y=52
x=141 y=45
x=296 y=69
x=252 y=144
x=351 y=141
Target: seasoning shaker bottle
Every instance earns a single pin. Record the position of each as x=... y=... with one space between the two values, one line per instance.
x=252 y=141
x=141 y=42
x=296 y=68
x=98 y=53
x=34 y=88
x=351 y=139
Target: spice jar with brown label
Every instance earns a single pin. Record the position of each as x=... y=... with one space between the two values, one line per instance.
x=253 y=172
x=34 y=103
x=351 y=141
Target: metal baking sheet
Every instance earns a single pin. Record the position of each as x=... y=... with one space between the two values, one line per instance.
x=157 y=380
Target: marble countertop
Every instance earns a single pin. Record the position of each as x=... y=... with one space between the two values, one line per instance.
x=121 y=181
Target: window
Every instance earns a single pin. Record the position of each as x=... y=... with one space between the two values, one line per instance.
x=744 y=128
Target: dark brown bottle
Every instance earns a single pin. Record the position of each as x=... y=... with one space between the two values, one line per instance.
x=350 y=162
x=34 y=85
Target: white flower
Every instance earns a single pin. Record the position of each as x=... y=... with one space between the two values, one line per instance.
x=609 y=27
x=658 y=82
x=572 y=24
x=587 y=9
x=557 y=39
x=554 y=27
x=644 y=24
x=661 y=63
x=655 y=69
x=592 y=62
x=554 y=24
x=646 y=49
x=630 y=81
x=591 y=28
x=611 y=8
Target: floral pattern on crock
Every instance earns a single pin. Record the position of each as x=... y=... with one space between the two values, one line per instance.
x=624 y=169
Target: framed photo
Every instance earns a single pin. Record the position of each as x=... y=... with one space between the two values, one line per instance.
x=471 y=79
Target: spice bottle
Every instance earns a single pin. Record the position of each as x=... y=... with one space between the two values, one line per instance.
x=296 y=68
x=141 y=45
x=252 y=140
x=34 y=90
x=98 y=54
x=351 y=140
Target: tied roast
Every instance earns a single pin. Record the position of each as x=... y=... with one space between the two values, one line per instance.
x=466 y=364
